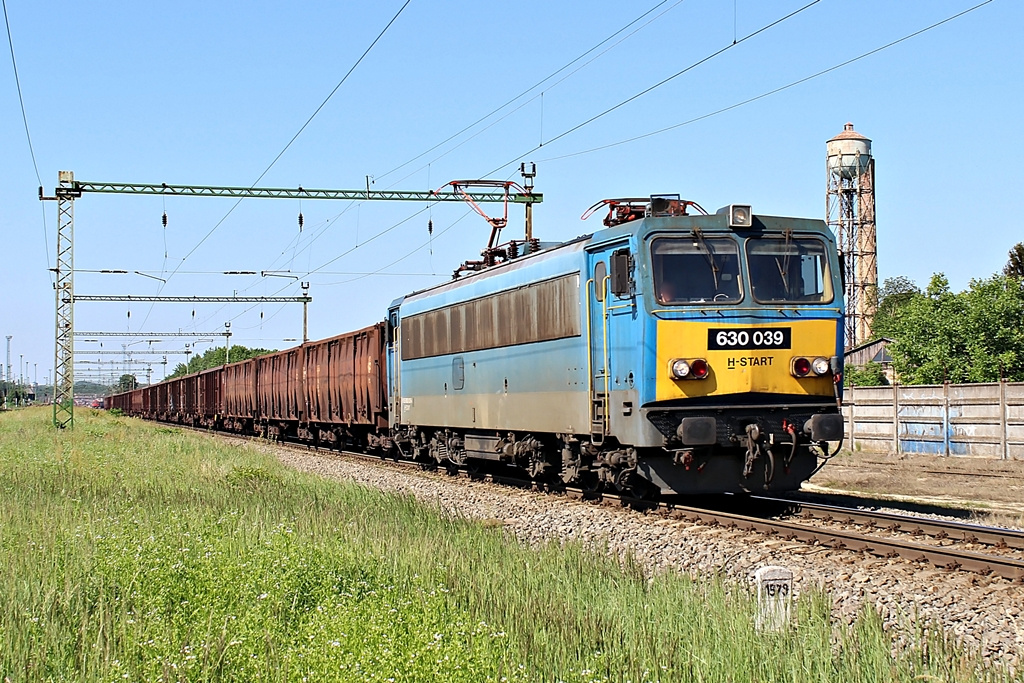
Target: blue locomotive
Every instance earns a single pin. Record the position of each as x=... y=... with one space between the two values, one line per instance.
x=671 y=352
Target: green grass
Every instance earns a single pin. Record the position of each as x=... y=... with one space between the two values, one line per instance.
x=135 y=551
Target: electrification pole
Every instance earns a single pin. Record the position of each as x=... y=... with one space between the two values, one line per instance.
x=64 y=286
x=305 y=314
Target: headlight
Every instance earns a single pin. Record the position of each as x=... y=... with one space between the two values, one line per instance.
x=820 y=366
x=697 y=368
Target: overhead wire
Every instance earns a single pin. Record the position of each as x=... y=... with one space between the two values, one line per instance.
x=319 y=269
x=108 y=271
x=770 y=92
x=314 y=237
x=361 y=276
x=379 y=271
x=309 y=120
x=318 y=234
x=747 y=101
x=541 y=94
x=379 y=234
x=28 y=135
x=324 y=265
x=763 y=95
x=594 y=118
x=660 y=83
x=290 y=142
x=531 y=88
x=21 y=99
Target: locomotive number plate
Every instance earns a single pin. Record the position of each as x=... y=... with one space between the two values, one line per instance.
x=749 y=338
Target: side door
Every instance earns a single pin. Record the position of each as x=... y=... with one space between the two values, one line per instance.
x=611 y=309
x=394 y=362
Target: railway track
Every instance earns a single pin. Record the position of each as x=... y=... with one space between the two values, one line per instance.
x=947 y=557
x=950 y=556
x=940 y=530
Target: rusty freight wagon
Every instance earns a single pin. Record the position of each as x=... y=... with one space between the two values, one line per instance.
x=238 y=389
x=345 y=387
x=330 y=392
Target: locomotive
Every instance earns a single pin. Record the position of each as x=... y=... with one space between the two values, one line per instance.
x=672 y=352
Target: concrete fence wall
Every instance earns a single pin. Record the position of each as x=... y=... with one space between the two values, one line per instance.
x=976 y=420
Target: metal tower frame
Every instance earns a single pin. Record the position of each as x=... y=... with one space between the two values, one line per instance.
x=866 y=274
x=64 y=351
x=69 y=189
x=850 y=213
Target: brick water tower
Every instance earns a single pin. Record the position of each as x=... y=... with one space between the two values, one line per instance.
x=850 y=207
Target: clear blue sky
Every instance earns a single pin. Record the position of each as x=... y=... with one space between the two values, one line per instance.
x=210 y=93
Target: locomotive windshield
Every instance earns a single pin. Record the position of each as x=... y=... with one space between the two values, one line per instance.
x=789 y=270
x=696 y=270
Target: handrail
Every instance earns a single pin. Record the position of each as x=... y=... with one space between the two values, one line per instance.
x=590 y=353
x=604 y=316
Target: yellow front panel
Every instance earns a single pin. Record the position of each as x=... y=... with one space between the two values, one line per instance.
x=741 y=371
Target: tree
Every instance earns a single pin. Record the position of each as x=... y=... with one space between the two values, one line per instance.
x=215 y=357
x=1015 y=266
x=83 y=388
x=872 y=374
x=972 y=336
x=126 y=383
x=895 y=292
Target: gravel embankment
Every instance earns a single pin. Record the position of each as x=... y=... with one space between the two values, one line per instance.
x=987 y=614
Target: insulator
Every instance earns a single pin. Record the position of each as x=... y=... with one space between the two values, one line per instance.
x=300 y=220
x=129 y=314
x=164 y=219
x=430 y=226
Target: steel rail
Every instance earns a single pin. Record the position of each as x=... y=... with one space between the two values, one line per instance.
x=936 y=528
x=947 y=558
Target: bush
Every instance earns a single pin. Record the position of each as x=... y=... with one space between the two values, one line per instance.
x=871 y=374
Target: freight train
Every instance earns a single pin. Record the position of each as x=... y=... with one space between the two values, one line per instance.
x=672 y=352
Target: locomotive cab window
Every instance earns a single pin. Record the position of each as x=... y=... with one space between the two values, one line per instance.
x=392 y=327
x=695 y=270
x=794 y=270
x=600 y=272
x=622 y=269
